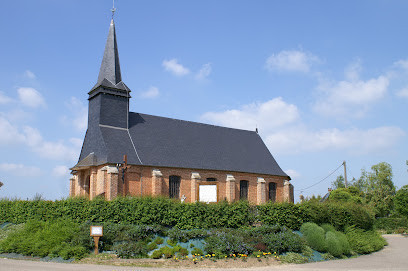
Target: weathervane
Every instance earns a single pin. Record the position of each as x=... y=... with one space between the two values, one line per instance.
x=113 y=8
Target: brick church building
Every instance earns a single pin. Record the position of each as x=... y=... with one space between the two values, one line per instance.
x=127 y=153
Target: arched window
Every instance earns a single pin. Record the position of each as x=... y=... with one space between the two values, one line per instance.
x=272 y=192
x=174 y=187
x=243 y=190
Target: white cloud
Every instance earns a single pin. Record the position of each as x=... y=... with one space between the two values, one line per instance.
x=20 y=170
x=79 y=118
x=403 y=93
x=9 y=134
x=151 y=93
x=299 y=139
x=403 y=64
x=29 y=74
x=266 y=116
x=293 y=173
x=30 y=97
x=60 y=171
x=283 y=132
x=175 y=68
x=31 y=137
x=204 y=72
x=350 y=97
x=4 y=99
x=291 y=61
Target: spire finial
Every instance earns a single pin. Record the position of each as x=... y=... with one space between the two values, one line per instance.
x=113 y=8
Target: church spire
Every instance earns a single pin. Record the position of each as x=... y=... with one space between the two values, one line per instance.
x=110 y=67
x=109 y=72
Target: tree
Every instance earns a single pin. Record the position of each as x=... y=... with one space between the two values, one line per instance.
x=378 y=188
x=338 y=183
x=401 y=201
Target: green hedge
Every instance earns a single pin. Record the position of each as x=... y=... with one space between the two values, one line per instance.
x=391 y=224
x=171 y=213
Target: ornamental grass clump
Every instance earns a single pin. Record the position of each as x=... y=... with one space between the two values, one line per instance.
x=315 y=236
x=333 y=244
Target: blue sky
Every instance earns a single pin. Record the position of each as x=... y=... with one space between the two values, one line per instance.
x=324 y=81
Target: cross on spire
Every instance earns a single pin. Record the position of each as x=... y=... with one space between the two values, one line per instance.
x=113 y=8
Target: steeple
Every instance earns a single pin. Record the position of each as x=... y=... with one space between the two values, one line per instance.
x=110 y=67
x=109 y=72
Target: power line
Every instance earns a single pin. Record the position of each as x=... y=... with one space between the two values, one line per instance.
x=322 y=179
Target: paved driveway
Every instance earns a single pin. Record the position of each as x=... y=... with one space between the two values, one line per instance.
x=392 y=257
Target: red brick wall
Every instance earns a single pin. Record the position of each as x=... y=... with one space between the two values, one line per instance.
x=133 y=182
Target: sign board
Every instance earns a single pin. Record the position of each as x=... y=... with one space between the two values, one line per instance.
x=208 y=193
x=96 y=230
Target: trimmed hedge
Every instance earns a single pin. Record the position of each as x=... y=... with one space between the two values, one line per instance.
x=171 y=213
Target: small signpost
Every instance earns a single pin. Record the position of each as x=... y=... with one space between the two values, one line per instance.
x=96 y=232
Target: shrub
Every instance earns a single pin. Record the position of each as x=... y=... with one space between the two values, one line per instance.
x=327 y=227
x=333 y=245
x=401 y=201
x=364 y=242
x=391 y=224
x=158 y=240
x=166 y=252
x=344 y=243
x=285 y=241
x=151 y=246
x=315 y=236
x=226 y=242
x=287 y=214
x=41 y=239
x=197 y=251
x=340 y=215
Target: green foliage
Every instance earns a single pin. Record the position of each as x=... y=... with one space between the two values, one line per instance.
x=326 y=239
x=163 y=252
x=129 y=250
x=292 y=257
x=158 y=240
x=196 y=217
x=197 y=251
x=340 y=215
x=391 y=224
x=151 y=246
x=284 y=241
x=315 y=236
x=55 y=238
x=226 y=242
x=401 y=201
x=333 y=244
x=131 y=210
x=338 y=183
x=344 y=243
x=327 y=227
x=350 y=194
x=172 y=242
x=185 y=235
x=290 y=215
x=364 y=242
x=378 y=188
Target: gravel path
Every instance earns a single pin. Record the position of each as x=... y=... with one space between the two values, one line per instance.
x=392 y=257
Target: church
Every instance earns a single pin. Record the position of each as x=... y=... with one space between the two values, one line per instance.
x=133 y=154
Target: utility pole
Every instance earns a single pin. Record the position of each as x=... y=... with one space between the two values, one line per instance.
x=345 y=174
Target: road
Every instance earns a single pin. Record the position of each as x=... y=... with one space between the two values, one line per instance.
x=392 y=257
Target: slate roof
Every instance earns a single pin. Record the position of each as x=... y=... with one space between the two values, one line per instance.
x=165 y=142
